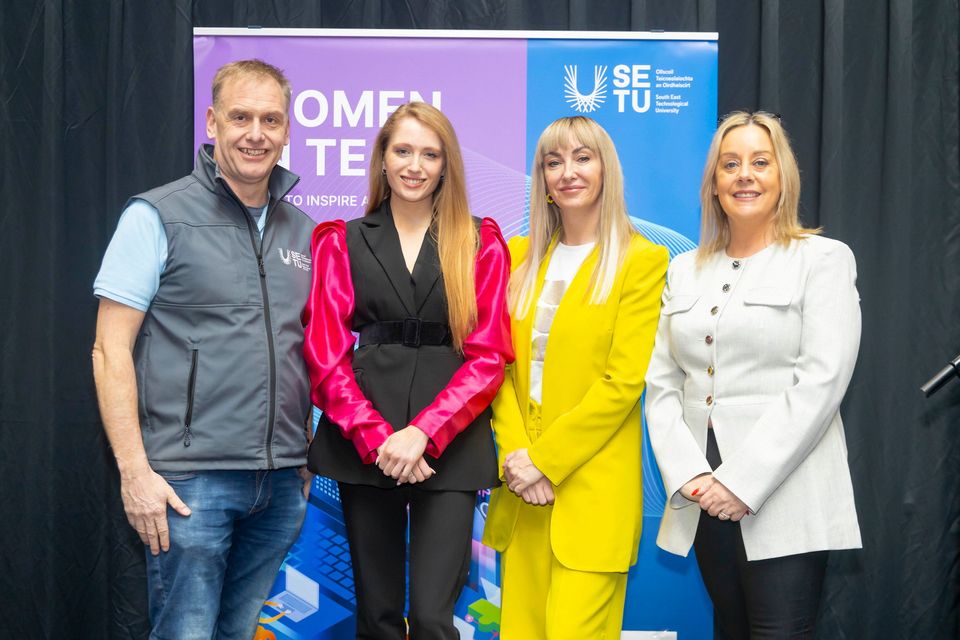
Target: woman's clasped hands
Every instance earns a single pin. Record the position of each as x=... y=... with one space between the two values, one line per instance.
x=715 y=498
x=526 y=480
x=401 y=456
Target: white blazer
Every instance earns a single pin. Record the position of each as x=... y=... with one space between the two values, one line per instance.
x=764 y=348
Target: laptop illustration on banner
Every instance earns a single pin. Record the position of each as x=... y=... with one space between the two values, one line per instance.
x=300 y=597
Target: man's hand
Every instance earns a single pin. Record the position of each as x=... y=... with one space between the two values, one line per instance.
x=145 y=498
x=401 y=456
x=307 y=478
x=539 y=494
x=145 y=494
x=520 y=471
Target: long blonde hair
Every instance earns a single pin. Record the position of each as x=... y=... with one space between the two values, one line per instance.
x=452 y=225
x=615 y=230
x=714 y=226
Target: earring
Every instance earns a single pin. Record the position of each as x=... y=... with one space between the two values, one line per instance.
x=442 y=177
x=383 y=171
x=549 y=199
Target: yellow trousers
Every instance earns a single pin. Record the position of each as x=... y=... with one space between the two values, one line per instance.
x=543 y=600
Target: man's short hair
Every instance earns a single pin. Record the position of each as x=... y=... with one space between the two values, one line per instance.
x=254 y=67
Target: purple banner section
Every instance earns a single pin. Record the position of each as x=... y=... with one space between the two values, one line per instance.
x=344 y=88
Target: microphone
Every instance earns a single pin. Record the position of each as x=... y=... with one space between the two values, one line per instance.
x=933 y=385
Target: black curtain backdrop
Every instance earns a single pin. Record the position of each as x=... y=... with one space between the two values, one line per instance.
x=95 y=105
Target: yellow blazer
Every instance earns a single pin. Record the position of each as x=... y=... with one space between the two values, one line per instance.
x=590 y=444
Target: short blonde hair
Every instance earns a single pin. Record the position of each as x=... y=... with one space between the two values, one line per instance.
x=714 y=226
x=254 y=67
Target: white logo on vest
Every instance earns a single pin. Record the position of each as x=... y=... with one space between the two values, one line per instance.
x=295 y=258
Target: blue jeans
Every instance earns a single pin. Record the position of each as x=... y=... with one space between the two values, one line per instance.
x=223 y=557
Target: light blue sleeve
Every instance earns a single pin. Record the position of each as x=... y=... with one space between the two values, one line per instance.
x=135 y=257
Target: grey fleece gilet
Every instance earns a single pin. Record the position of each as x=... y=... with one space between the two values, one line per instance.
x=219 y=359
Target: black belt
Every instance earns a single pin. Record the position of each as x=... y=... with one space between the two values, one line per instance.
x=412 y=332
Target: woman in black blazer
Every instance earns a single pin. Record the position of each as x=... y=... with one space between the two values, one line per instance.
x=406 y=425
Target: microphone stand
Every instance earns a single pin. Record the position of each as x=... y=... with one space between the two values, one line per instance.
x=942 y=377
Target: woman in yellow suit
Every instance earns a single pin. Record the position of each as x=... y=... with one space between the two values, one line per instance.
x=584 y=300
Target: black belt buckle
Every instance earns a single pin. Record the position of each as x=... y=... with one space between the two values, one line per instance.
x=411 y=332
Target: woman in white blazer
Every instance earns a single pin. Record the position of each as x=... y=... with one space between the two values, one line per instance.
x=756 y=344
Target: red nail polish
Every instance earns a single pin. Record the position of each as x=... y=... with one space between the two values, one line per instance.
x=695 y=491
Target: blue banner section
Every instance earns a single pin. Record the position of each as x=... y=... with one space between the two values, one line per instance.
x=657 y=100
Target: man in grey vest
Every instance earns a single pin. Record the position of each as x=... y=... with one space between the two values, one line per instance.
x=198 y=364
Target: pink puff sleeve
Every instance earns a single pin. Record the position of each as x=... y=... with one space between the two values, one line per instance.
x=487 y=350
x=328 y=344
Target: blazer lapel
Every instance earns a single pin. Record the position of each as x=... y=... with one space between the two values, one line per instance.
x=426 y=271
x=380 y=234
x=523 y=331
x=574 y=298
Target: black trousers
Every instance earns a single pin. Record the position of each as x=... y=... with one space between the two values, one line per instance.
x=758 y=599
x=441 y=528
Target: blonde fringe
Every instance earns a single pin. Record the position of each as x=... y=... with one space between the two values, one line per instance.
x=615 y=230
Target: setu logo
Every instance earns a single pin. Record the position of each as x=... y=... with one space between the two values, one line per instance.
x=590 y=102
x=295 y=258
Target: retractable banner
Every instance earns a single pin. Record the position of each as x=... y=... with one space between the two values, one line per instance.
x=655 y=93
